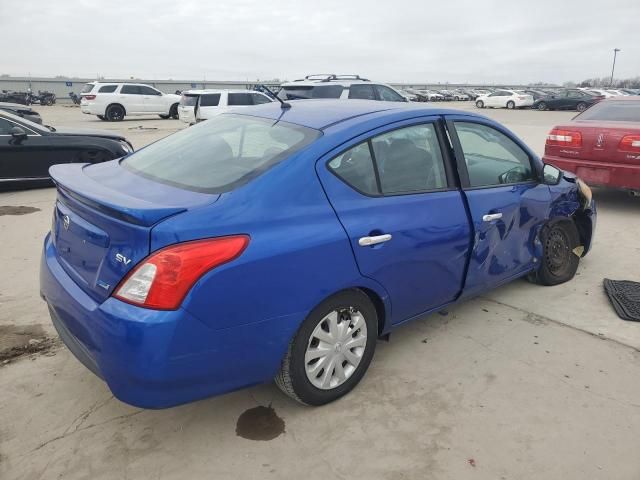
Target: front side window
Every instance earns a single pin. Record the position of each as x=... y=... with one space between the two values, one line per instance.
x=130 y=90
x=388 y=95
x=362 y=92
x=5 y=127
x=220 y=154
x=210 y=100
x=144 y=90
x=491 y=157
x=613 y=111
x=259 y=98
x=108 y=89
x=239 y=99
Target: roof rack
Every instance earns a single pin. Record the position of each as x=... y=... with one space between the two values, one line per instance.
x=328 y=77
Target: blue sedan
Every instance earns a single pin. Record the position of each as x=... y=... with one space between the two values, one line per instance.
x=280 y=243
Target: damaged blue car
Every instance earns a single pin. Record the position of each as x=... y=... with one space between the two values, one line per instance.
x=281 y=241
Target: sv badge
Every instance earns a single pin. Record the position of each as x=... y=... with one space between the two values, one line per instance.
x=122 y=259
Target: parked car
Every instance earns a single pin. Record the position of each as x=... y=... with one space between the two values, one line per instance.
x=504 y=99
x=28 y=149
x=601 y=145
x=23 y=111
x=572 y=99
x=601 y=93
x=343 y=87
x=412 y=97
x=630 y=91
x=432 y=96
x=447 y=96
x=616 y=93
x=536 y=94
x=272 y=242
x=114 y=101
x=197 y=105
x=460 y=95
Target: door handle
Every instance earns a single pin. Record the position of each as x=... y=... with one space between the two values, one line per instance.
x=491 y=217
x=368 y=241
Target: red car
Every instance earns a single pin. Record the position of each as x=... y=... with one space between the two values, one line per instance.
x=600 y=145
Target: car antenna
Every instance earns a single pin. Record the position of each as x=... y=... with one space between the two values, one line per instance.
x=284 y=105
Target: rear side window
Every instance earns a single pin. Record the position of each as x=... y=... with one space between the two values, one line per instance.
x=615 y=111
x=210 y=100
x=189 y=100
x=309 y=91
x=355 y=167
x=130 y=90
x=362 y=92
x=220 y=154
x=108 y=89
x=239 y=99
x=87 y=88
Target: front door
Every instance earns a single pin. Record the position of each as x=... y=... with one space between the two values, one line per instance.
x=507 y=203
x=394 y=193
x=22 y=158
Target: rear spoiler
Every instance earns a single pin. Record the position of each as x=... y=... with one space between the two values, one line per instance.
x=73 y=183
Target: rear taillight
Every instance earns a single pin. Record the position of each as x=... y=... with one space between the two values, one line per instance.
x=564 y=138
x=630 y=143
x=89 y=97
x=163 y=279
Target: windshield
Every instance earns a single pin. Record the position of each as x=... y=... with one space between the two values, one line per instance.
x=613 y=111
x=220 y=154
x=87 y=88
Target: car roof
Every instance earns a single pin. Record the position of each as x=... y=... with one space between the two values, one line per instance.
x=320 y=114
x=15 y=106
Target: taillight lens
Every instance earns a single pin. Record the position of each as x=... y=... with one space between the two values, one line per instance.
x=564 y=138
x=163 y=279
x=89 y=97
x=630 y=143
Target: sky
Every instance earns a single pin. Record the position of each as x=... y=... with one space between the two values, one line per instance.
x=413 y=41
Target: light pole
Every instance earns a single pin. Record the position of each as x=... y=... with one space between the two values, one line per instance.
x=615 y=52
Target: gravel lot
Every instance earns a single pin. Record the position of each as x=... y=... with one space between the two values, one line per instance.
x=526 y=382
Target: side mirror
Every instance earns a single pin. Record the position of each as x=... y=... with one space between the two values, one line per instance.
x=551 y=175
x=18 y=133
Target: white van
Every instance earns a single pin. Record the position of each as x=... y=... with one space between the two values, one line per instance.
x=198 y=105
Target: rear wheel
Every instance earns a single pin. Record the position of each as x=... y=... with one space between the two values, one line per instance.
x=331 y=351
x=480 y=104
x=581 y=107
x=542 y=106
x=511 y=105
x=559 y=263
x=115 y=113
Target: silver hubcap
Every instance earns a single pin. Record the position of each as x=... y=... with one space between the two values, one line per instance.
x=335 y=348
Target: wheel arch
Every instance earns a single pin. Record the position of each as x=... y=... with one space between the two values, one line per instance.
x=112 y=104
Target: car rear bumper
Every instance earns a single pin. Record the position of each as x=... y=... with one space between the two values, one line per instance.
x=600 y=173
x=157 y=359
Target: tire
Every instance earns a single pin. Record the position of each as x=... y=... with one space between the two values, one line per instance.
x=542 y=106
x=173 y=111
x=115 y=113
x=559 y=263
x=307 y=381
x=101 y=117
x=511 y=105
x=581 y=107
x=480 y=104
x=164 y=117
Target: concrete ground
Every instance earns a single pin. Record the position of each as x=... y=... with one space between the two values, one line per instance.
x=525 y=382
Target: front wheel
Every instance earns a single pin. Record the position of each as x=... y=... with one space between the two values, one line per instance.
x=542 y=106
x=581 y=107
x=480 y=104
x=511 y=105
x=173 y=111
x=331 y=351
x=559 y=262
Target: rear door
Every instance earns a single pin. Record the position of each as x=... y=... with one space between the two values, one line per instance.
x=506 y=201
x=394 y=193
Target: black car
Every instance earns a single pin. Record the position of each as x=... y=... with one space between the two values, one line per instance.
x=23 y=111
x=27 y=150
x=570 y=99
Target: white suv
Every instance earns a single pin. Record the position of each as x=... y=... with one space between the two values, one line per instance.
x=344 y=87
x=113 y=101
x=198 y=105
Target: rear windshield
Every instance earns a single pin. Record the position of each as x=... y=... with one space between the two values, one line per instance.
x=297 y=92
x=87 y=87
x=220 y=154
x=616 y=111
x=189 y=100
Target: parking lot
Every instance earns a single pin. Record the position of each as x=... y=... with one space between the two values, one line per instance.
x=526 y=382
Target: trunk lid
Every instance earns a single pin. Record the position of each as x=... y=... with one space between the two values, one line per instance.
x=103 y=218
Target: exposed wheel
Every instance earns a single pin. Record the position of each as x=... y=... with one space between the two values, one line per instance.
x=101 y=117
x=581 y=107
x=559 y=263
x=480 y=104
x=173 y=111
x=542 y=106
x=331 y=351
x=115 y=113
x=511 y=105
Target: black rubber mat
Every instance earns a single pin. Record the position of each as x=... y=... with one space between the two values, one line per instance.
x=625 y=298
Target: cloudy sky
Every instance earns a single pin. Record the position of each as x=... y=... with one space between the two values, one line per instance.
x=394 y=40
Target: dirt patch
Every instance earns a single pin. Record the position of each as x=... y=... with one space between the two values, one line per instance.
x=259 y=423
x=17 y=341
x=20 y=210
